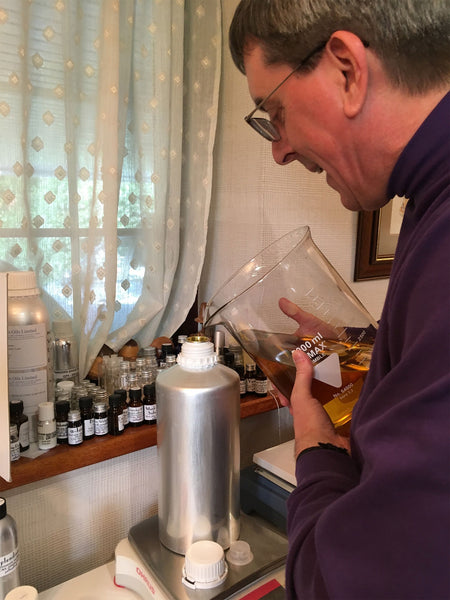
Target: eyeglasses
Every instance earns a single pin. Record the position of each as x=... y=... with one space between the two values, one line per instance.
x=262 y=125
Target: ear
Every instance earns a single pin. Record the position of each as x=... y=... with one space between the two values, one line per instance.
x=348 y=54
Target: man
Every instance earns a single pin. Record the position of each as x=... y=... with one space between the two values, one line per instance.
x=360 y=90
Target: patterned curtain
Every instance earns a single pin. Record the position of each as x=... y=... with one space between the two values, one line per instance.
x=108 y=111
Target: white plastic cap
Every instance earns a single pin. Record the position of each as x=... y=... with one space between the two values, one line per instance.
x=22 y=283
x=239 y=553
x=23 y=592
x=204 y=566
x=197 y=353
x=46 y=411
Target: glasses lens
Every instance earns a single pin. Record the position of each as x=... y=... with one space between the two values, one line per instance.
x=265 y=128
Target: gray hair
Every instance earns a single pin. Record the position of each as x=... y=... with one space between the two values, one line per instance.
x=410 y=37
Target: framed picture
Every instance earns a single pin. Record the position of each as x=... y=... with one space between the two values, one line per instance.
x=377 y=240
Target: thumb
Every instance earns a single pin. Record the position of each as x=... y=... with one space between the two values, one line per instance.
x=304 y=373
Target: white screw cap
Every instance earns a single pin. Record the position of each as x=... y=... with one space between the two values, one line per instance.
x=204 y=566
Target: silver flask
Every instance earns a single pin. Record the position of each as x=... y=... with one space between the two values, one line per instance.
x=9 y=552
x=198 y=404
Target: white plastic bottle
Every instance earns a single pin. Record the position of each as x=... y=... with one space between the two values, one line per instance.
x=29 y=346
x=9 y=552
x=46 y=426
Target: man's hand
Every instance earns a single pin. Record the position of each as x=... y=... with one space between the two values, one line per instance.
x=309 y=324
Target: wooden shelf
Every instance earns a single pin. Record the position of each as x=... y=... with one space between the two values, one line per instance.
x=63 y=458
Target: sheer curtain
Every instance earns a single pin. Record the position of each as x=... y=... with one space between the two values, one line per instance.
x=108 y=113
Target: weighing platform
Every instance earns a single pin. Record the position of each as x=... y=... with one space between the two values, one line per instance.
x=145 y=570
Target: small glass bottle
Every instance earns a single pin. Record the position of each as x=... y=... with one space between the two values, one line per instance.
x=166 y=348
x=250 y=375
x=180 y=341
x=62 y=407
x=18 y=418
x=150 y=411
x=135 y=407
x=100 y=419
x=171 y=360
x=124 y=404
x=87 y=417
x=75 y=428
x=46 y=426
x=14 y=444
x=115 y=415
x=260 y=383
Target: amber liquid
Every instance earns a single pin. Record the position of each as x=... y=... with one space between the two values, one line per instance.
x=272 y=352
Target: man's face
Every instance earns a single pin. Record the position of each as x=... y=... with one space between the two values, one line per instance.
x=307 y=112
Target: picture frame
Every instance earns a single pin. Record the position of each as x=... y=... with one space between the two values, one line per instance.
x=376 y=240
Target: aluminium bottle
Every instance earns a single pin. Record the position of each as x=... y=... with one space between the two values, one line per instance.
x=30 y=372
x=9 y=552
x=198 y=405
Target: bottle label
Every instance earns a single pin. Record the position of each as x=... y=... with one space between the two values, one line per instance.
x=150 y=412
x=136 y=414
x=61 y=430
x=75 y=435
x=9 y=563
x=46 y=439
x=88 y=427
x=101 y=426
x=66 y=375
x=120 y=422
x=24 y=434
x=125 y=416
x=27 y=368
x=14 y=451
x=242 y=387
x=261 y=387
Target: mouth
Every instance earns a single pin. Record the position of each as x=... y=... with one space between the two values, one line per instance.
x=312 y=167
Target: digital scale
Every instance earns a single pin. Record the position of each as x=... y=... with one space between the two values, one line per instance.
x=144 y=569
x=144 y=565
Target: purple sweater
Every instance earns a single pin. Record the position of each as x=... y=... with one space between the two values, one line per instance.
x=377 y=525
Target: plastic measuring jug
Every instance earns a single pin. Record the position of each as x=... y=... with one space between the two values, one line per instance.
x=334 y=329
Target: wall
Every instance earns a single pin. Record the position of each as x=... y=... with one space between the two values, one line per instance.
x=256 y=201
x=72 y=523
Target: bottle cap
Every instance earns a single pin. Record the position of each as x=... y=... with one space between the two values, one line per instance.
x=2 y=508
x=65 y=385
x=115 y=400
x=74 y=415
x=22 y=283
x=46 y=411
x=23 y=592
x=16 y=407
x=204 y=566
x=62 y=407
x=197 y=353
x=85 y=402
x=239 y=553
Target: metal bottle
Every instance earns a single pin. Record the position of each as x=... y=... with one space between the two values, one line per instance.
x=9 y=552
x=30 y=372
x=198 y=446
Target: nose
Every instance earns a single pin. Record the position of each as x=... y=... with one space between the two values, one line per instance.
x=282 y=152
